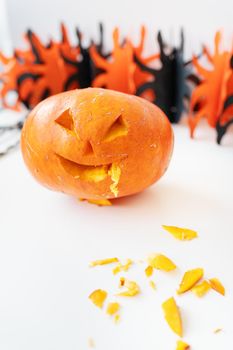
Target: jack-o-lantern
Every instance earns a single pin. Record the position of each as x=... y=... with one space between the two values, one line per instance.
x=97 y=144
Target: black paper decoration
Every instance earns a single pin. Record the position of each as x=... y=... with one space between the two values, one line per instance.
x=169 y=83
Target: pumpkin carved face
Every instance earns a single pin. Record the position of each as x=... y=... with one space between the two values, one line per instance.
x=96 y=144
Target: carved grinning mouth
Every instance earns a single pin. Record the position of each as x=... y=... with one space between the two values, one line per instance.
x=90 y=173
x=93 y=173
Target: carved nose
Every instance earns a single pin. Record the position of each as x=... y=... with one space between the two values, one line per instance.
x=88 y=148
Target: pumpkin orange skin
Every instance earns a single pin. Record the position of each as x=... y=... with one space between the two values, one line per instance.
x=72 y=131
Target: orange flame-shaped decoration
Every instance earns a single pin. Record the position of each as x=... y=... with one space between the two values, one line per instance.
x=119 y=68
x=9 y=76
x=208 y=97
x=37 y=72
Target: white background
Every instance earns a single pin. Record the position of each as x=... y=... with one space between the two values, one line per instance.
x=47 y=239
x=200 y=18
x=5 y=42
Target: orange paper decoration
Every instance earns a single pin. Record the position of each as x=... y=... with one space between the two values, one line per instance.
x=209 y=96
x=52 y=68
x=12 y=69
x=119 y=68
x=39 y=71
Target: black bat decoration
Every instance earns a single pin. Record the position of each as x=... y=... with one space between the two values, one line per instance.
x=100 y=45
x=169 y=83
x=222 y=128
x=100 y=49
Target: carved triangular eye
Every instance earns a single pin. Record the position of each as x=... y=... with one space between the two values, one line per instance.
x=117 y=129
x=66 y=120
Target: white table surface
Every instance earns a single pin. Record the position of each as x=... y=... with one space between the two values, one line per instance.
x=47 y=241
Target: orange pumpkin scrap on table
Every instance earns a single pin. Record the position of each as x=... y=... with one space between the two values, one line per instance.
x=97 y=144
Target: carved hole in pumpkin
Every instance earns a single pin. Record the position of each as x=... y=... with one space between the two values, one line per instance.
x=88 y=148
x=89 y=173
x=66 y=120
x=117 y=129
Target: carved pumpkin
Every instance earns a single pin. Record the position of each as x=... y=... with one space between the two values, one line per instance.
x=96 y=143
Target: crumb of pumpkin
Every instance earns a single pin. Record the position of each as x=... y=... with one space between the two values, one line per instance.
x=132 y=289
x=183 y=234
x=91 y=343
x=100 y=202
x=217 y=285
x=112 y=308
x=98 y=297
x=117 y=318
x=122 y=267
x=190 y=279
x=103 y=262
x=218 y=330
x=161 y=262
x=149 y=271
x=115 y=173
x=122 y=282
x=153 y=285
x=172 y=315
x=201 y=289
x=180 y=345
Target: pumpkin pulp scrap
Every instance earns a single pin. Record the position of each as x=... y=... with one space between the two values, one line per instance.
x=122 y=267
x=113 y=308
x=172 y=316
x=180 y=345
x=98 y=297
x=103 y=262
x=217 y=285
x=161 y=262
x=183 y=234
x=132 y=288
x=189 y=280
x=201 y=289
